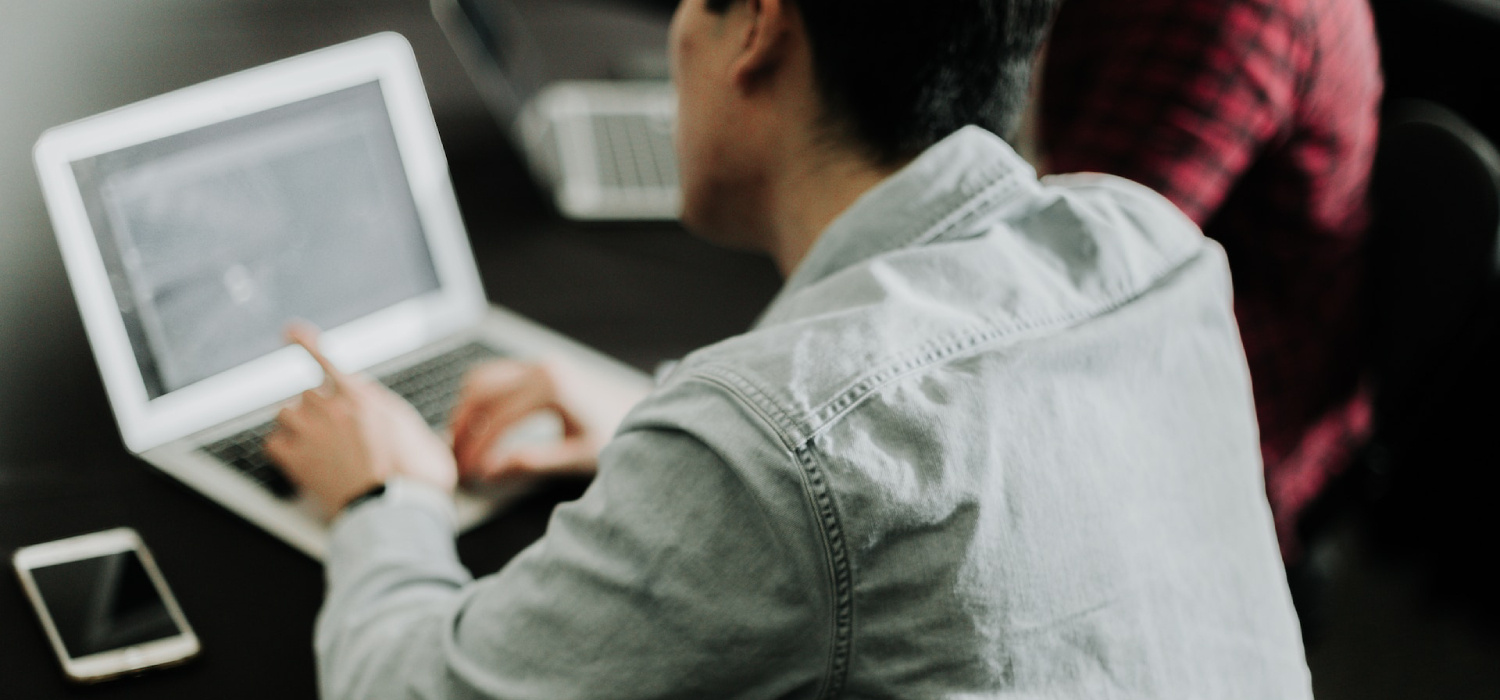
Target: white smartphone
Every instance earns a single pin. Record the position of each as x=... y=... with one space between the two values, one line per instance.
x=104 y=605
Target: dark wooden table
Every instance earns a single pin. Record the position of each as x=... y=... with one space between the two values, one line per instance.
x=641 y=292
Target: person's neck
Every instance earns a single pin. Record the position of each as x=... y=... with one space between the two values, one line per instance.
x=812 y=193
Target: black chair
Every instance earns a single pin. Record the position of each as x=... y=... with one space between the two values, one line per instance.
x=1432 y=472
x=1434 y=267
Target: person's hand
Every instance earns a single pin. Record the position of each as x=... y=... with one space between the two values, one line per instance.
x=498 y=395
x=352 y=434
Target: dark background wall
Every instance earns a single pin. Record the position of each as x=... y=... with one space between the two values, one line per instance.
x=1447 y=51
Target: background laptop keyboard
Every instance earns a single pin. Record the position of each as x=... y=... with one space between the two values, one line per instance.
x=431 y=386
x=635 y=151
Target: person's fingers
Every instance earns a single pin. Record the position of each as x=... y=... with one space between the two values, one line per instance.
x=278 y=446
x=570 y=456
x=485 y=384
x=397 y=408
x=496 y=418
x=486 y=420
x=464 y=412
x=473 y=418
x=306 y=335
x=291 y=419
x=481 y=433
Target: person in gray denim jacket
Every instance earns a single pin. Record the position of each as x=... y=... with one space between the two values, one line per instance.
x=994 y=438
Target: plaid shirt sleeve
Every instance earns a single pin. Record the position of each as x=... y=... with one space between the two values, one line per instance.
x=1179 y=95
x=1259 y=119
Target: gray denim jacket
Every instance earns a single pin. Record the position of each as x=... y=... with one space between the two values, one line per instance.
x=994 y=439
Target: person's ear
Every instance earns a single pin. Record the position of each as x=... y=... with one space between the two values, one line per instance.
x=766 y=37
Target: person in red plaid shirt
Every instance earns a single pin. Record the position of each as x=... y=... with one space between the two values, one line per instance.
x=1259 y=119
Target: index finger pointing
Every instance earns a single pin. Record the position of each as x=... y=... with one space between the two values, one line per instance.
x=307 y=336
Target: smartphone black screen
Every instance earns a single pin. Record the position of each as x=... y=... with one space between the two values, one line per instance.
x=103 y=603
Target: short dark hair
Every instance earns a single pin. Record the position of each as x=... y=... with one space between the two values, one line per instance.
x=900 y=75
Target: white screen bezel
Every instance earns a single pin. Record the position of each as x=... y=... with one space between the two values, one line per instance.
x=457 y=303
x=104 y=664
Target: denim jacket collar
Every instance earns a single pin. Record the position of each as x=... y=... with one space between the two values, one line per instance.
x=934 y=196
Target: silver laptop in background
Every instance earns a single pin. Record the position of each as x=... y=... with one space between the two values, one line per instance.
x=195 y=225
x=581 y=87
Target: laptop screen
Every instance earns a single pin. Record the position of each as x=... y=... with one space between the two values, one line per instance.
x=214 y=239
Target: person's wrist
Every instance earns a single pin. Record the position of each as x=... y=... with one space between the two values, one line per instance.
x=363 y=497
x=405 y=491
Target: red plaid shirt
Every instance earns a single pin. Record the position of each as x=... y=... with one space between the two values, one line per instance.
x=1258 y=118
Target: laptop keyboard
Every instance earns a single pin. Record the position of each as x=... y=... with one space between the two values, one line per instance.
x=635 y=151
x=431 y=386
x=243 y=452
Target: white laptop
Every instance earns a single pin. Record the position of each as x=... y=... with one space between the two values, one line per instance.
x=601 y=144
x=195 y=225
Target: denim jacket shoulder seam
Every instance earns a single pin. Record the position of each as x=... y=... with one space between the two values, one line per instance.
x=951 y=345
x=756 y=399
x=797 y=427
x=836 y=553
x=819 y=497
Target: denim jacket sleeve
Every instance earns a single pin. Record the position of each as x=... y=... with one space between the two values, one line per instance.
x=668 y=578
